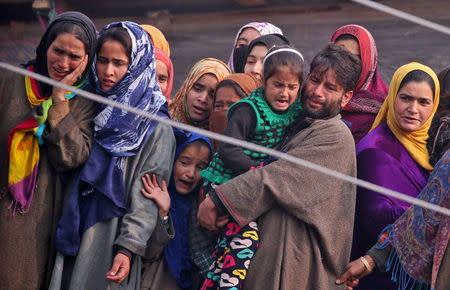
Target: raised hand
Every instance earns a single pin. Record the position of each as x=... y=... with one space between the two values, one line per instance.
x=158 y=194
x=70 y=80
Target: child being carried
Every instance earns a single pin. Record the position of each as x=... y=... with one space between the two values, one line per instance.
x=262 y=118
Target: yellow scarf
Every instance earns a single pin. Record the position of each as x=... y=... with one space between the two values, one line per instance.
x=23 y=146
x=414 y=142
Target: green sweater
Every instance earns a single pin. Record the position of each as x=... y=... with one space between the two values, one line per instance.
x=269 y=131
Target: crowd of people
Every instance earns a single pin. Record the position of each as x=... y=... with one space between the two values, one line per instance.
x=95 y=197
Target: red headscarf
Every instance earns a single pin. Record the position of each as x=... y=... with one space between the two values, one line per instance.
x=160 y=55
x=370 y=90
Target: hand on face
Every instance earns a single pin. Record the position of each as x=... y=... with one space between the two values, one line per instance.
x=66 y=61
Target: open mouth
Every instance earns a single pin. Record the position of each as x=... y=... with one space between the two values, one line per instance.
x=199 y=110
x=282 y=102
x=60 y=73
x=185 y=184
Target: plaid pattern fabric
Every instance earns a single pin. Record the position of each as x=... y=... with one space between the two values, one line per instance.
x=202 y=242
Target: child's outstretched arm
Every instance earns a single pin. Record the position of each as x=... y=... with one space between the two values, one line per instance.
x=158 y=194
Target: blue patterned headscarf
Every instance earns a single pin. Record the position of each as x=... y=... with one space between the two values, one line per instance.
x=122 y=133
x=177 y=250
x=99 y=192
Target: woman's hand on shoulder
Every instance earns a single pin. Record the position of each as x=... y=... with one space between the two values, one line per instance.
x=159 y=195
x=70 y=80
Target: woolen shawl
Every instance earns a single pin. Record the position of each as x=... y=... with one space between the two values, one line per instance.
x=419 y=238
x=24 y=163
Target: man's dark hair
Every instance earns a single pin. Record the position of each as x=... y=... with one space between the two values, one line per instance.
x=346 y=66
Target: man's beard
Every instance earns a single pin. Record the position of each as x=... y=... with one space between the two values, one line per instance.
x=328 y=110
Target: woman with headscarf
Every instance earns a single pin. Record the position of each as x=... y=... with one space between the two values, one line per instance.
x=50 y=134
x=164 y=72
x=193 y=102
x=164 y=68
x=415 y=249
x=370 y=90
x=245 y=35
x=230 y=90
x=257 y=50
x=394 y=155
x=107 y=222
x=158 y=38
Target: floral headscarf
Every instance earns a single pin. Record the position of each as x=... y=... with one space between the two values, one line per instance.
x=263 y=28
x=178 y=107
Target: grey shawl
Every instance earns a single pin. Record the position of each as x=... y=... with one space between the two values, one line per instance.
x=305 y=217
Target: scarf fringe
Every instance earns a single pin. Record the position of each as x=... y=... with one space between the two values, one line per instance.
x=14 y=204
x=399 y=275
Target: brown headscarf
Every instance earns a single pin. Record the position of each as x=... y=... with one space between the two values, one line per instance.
x=218 y=119
x=246 y=82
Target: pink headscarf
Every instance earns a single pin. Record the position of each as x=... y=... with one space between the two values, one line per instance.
x=160 y=55
x=263 y=28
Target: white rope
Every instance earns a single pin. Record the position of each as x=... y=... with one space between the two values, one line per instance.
x=231 y=140
x=404 y=15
